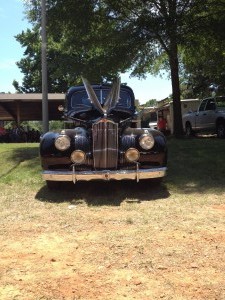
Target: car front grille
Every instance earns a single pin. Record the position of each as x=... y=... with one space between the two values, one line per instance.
x=105 y=144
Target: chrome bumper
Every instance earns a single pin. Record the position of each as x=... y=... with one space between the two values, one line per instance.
x=104 y=175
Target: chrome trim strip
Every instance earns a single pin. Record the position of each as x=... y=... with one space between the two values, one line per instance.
x=104 y=175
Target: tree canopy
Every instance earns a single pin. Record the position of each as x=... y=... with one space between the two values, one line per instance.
x=99 y=39
x=203 y=52
x=82 y=40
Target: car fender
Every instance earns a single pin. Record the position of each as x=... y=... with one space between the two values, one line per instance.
x=159 y=137
x=47 y=145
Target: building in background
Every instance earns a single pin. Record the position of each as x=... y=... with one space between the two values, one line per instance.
x=149 y=115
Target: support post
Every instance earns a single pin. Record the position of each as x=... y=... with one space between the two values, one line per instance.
x=45 y=121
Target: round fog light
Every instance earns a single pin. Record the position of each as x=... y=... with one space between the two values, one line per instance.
x=132 y=154
x=78 y=157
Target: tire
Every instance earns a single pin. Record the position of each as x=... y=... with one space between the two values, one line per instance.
x=53 y=185
x=188 y=130
x=221 y=130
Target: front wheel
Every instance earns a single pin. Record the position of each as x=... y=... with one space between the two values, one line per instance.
x=221 y=130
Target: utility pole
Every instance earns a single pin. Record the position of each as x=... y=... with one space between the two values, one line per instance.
x=45 y=121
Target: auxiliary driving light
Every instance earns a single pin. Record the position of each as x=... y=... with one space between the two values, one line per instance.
x=62 y=142
x=132 y=154
x=78 y=157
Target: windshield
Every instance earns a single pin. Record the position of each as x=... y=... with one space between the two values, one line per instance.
x=80 y=99
x=80 y=106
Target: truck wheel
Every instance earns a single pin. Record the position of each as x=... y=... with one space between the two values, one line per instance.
x=188 y=130
x=221 y=130
x=53 y=185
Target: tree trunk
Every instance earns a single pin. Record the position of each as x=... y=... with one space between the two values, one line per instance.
x=177 y=115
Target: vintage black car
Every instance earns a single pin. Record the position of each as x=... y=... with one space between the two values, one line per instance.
x=105 y=142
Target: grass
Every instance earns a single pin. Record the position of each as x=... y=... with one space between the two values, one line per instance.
x=194 y=165
x=196 y=171
x=21 y=164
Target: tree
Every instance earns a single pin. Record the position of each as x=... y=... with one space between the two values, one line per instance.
x=76 y=45
x=30 y=65
x=149 y=103
x=114 y=36
x=203 y=52
x=142 y=33
x=159 y=28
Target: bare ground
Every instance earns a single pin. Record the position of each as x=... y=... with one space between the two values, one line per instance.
x=111 y=241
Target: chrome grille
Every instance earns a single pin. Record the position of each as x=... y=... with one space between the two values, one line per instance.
x=105 y=144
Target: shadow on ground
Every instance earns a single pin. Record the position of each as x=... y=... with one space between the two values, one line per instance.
x=104 y=193
x=196 y=165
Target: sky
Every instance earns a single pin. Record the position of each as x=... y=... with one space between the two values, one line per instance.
x=13 y=21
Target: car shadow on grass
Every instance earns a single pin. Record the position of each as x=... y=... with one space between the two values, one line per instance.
x=104 y=193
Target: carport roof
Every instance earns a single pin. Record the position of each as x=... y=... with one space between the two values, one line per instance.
x=28 y=107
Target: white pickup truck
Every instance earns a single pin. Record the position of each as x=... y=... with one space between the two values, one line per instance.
x=209 y=117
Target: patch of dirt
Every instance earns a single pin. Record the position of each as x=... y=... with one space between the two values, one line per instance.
x=147 y=250
x=219 y=207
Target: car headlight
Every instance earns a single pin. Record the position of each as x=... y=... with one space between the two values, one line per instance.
x=132 y=154
x=62 y=142
x=146 y=141
x=78 y=157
